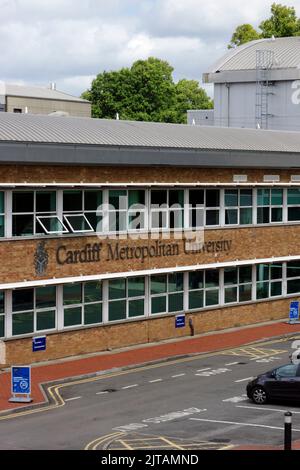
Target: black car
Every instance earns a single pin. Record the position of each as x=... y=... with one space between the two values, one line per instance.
x=280 y=383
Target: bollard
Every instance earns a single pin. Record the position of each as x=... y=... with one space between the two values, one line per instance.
x=288 y=430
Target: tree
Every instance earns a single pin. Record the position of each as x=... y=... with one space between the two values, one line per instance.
x=243 y=33
x=145 y=92
x=283 y=22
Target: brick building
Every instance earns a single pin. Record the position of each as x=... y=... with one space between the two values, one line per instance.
x=97 y=220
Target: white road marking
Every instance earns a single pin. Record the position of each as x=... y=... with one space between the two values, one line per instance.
x=240 y=424
x=209 y=373
x=236 y=399
x=130 y=386
x=201 y=370
x=231 y=364
x=101 y=393
x=243 y=380
x=177 y=375
x=262 y=408
x=74 y=398
x=156 y=380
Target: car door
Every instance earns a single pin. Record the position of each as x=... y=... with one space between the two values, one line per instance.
x=286 y=382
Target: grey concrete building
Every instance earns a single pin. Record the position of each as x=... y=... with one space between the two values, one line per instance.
x=38 y=100
x=256 y=85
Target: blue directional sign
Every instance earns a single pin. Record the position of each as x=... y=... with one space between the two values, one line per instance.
x=39 y=343
x=294 y=311
x=179 y=321
x=20 y=380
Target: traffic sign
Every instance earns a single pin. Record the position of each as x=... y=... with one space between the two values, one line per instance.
x=294 y=312
x=38 y=343
x=179 y=321
x=20 y=384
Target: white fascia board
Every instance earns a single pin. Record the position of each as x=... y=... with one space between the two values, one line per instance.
x=146 y=272
x=141 y=184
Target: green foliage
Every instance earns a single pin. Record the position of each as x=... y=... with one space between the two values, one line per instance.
x=283 y=22
x=145 y=92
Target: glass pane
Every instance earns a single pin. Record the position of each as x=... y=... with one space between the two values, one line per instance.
x=294 y=196
x=136 y=308
x=262 y=272
x=196 y=218
x=263 y=215
x=95 y=221
x=212 y=198
x=23 y=201
x=46 y=201
x=293 y=269
x=136 y=196
x=117 y=310
x=263 y=197
x=1 y=326
x=136 y=286
x=136 y=220
x=196 y=197
x=276 y=197
x=72 y=201
x=92 y=314
x=293 y=213
x=51 y=224
x=276 y=271
x=158 y=197
x=45 y=320
x=45 y=297
x=245 y=274
x=176 y=197
x=230 y=275
x=293 y=286
x=117 y=220
x=78 y=223
x=212 y=217
x=196 y=299
x=22 y=225
x=22 y=299
x=2 y=226
x=22 y=323
x=2 y=301
x=230 y=294
x=175 y=302
x=196 y=280
x=118 y=199
x=276 y=288
x=2 y=202
x=175 y=282
x=262 y=290
x=245 y=216
x=231 y=197
x=245 y=197
x=72 y=294
x=158 y=284
x=245 y=292
x=212 y=297
x=92 y=291
x=117 y=289
x=92 y=200
x=231 y=216
x=289 y=370
x=159 y=304
x=176 y=218
x=276 y=214
x=72 y=316
x=212 y=278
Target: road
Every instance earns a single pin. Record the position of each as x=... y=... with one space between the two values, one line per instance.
x=197 y=402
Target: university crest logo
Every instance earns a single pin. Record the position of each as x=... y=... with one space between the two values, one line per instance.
x=41 y=258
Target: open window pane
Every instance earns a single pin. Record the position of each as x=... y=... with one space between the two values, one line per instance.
x=51 y=224
x=78 y=223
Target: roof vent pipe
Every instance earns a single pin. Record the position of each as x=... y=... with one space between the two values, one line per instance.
x=52 y=86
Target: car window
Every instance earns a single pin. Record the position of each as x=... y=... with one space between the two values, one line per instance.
x=289 y=370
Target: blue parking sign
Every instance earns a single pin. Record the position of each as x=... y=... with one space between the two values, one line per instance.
x=294 y=311
x=179 y=321
x=20 y=383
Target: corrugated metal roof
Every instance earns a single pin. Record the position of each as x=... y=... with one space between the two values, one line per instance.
x=286 y=55
x=9 y=89
x=31 y=128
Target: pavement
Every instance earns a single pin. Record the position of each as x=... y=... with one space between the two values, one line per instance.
x=60 y=370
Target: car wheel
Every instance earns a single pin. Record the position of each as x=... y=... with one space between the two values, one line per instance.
x=259 y=396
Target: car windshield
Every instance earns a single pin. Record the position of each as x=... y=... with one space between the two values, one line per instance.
x=289 y=370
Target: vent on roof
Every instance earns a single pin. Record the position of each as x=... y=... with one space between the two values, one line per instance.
x=240 y=178
x=271 y=178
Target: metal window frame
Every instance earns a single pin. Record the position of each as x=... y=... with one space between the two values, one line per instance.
x=38 y=217
x=66 y=217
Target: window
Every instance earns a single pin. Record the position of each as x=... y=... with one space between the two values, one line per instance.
x=167 y=208
x=127 y=210
x=126 y=298
x=33 y=310
x=289 y=370
x=269 y=205
x=82 y=210
x=212 y=207
x=2 y=316
x=2 y=213
x=237 y=284
x=82 y=303
x=166 y=292
x=17 y=110
x=27 y=207
x=293 y=202
x=196 y=208
x=238 y=206
x=203 y=288
x=204 y=207
x=268 y=280
x=293 y=277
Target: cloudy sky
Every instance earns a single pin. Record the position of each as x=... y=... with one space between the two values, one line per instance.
x=70 y=41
